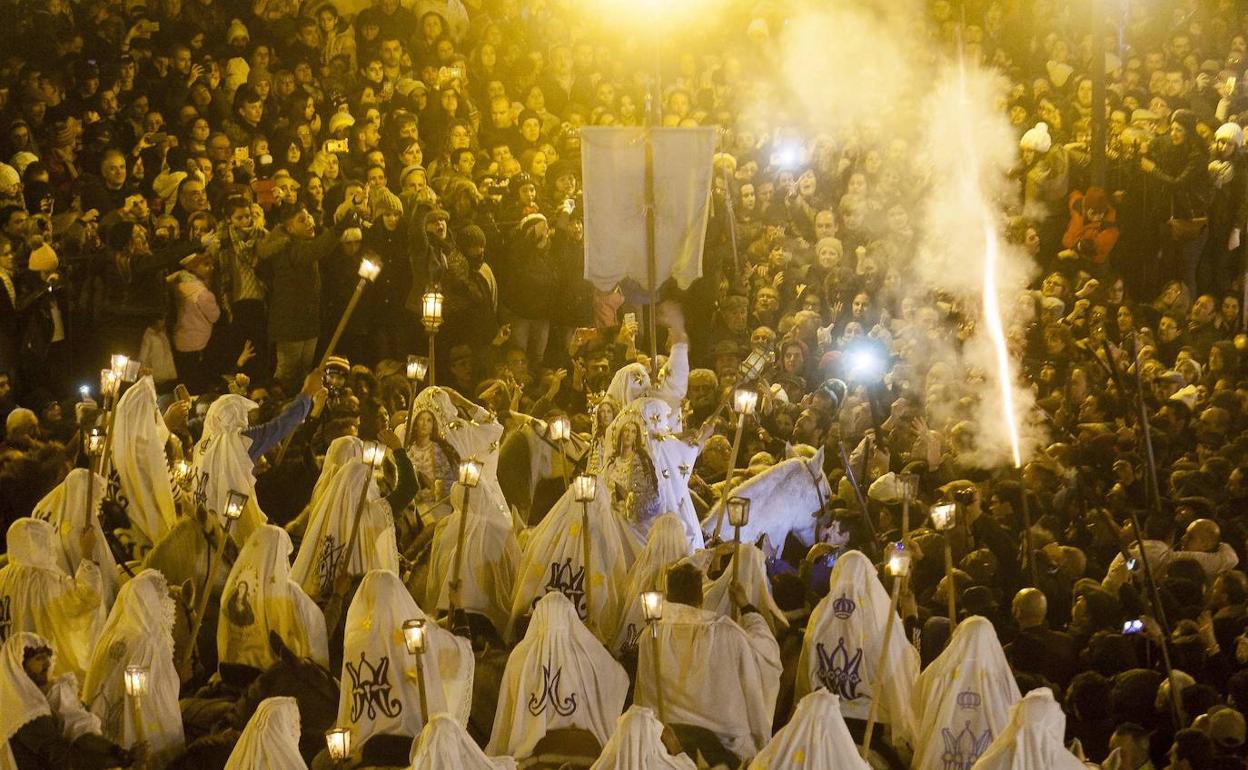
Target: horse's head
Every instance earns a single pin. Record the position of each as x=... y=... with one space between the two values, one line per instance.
x=814 y=466
x=300 y=678
x=183 y=618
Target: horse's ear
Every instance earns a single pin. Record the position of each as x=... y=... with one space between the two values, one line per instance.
x=789 y=454
x=280 y=649
x=186 y=592
x=816 y=461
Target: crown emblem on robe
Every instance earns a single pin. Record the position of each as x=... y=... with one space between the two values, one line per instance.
x=962 y=750
x=843 y=607
x=969 y=700
x=838 y=670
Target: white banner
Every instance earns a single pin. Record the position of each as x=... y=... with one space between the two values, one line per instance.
x=613 y=162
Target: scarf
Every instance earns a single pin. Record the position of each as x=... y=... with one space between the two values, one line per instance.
x=139 y=437
x=445 y=743
x=815 y=737
x=37 y=596
x=322 y=553
x=637 y=744
x=554 y=562
x=23 y=701
x=559 y=677
x=65 y=508
x=842 y=648
x=138 y=632
x=697 y=647
x=221 y=464
x=260 y=598
x=665 y=546
x=270 y=741
x=380 y=693
x=963 y=698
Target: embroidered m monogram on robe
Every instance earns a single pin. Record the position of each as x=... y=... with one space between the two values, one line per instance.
x=569 y=583
x=550 y=697
x=370 y=689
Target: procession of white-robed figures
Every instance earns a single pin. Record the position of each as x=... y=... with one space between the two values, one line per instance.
x=614 y=639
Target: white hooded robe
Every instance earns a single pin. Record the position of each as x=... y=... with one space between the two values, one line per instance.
x=637 y=744
x=139 y=436
x=270 y=741
x=816 y=738
x=444 y=743
x=1033 y=739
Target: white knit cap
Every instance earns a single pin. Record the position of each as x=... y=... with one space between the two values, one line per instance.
x=1037 y=139
x=9 y=178
x=1230 y=132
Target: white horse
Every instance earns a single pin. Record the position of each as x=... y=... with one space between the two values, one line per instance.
x=787 y=497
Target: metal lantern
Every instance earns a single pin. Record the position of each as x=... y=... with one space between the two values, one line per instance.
x=414 y=635
x=652 y=605
x=944 y=516
x=373 y=454
x=118 y=363
x=560 y=428
x=338 y=740
x=369 y=269
x=234 y=504
x=753 y=365
x=417 y=367
x=181 y=471
x=469 y=473
x=744 y=401
x=135 y=678
x=585 y=488
x=899 y=561
x=109 y=380
x=431 y=308
x=95 y=442
x=738 y=511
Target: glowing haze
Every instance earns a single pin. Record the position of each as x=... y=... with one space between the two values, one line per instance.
x=874 y=69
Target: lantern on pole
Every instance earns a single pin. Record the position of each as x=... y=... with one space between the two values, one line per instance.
x=431 y=315
x=584 y=490
x=416 y=638
x=944 y=518
x=338 y=741
x=135 y=680
x=560 y=430
x=469 y=477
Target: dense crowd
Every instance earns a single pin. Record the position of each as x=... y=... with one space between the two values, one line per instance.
x=260 y=507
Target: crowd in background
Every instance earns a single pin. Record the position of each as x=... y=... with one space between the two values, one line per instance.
x=195 y=183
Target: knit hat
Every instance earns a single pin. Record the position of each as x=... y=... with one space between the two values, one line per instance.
x=1227 y=132
x=1037 y=139
x=385 y=202
x=9 y=178
x=21 y=160
x=1185 y=118
x=339 y=121
x=530 y=221
x=44 y=259
x=237 y=29
x=409 y=86
x=166 y=186
x=408 y=170
x=351 y=235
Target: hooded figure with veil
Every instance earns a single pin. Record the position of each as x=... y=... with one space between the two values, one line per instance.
x=632 y=382
x=752 y=576
x=270 y=741
x=697 y=647
x=138 y=632
x=37 y=595
x=637 y=744
x=445 y=743
x=42 y=722
x=223 y=464
x=559 y=677
x=65 y=508
x=554 y=562
x=665 y=546
x=260 y=598
x=1034 y=739
x=816 y=736
x=139 y=437
x=489 y=567
x=323 y=552
x=340 y=451
x=962 y=700
x=380 y=692
x=842 y=648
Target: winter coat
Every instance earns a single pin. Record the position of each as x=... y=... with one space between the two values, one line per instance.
x=294 y=277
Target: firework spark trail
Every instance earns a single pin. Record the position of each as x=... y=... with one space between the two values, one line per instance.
x=992 y=254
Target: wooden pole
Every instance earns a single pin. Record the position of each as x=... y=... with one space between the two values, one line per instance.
x=586 y=556
x=951 y=593
x=879 y=664
x=732 y=467
x=420 y=682
x=458 y=562
x=214 y=560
